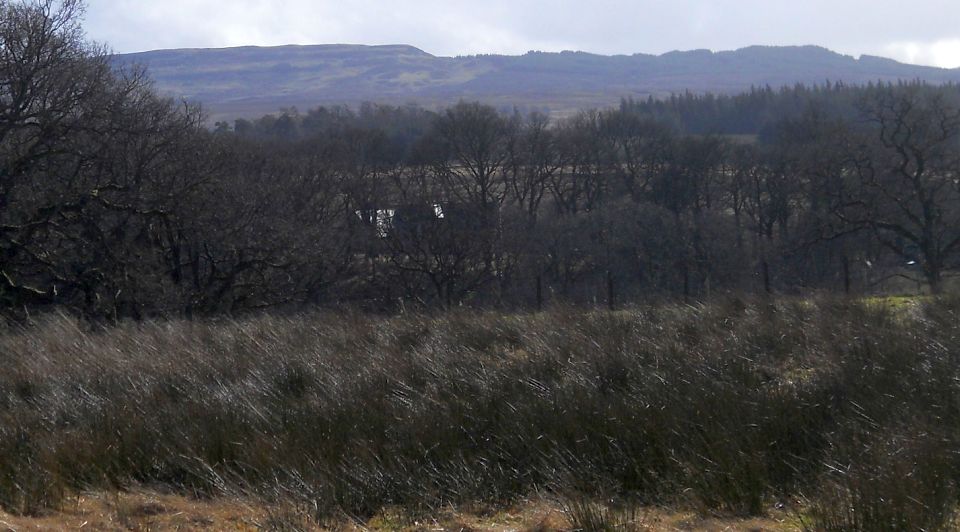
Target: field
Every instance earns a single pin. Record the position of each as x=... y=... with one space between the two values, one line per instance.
x=149 y=510
x=792 y=414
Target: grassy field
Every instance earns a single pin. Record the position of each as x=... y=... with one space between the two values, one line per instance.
x=835 y=415
x=140 y=509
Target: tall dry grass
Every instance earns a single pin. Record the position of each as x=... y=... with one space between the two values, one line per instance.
x=733 y=406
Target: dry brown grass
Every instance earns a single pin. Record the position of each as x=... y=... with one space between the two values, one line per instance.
x=727 y=409
x=146 y=510
x=141 y=510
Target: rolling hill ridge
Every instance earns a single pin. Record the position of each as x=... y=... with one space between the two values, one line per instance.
x=251 y=81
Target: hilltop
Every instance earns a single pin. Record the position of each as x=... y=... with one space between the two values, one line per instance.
x=250 y=81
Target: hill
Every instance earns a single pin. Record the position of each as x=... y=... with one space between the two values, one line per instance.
x=250 y=81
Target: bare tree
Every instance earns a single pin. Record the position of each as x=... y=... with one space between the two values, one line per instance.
x=535 y=158
x=474 y=139
x=904 y=176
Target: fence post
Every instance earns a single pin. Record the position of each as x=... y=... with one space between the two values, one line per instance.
x=846 y=275
x=610 y=294
x=766 y=277
x=539 y=293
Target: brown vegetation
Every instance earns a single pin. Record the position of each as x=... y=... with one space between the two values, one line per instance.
x=732 y=407
x=143 y=510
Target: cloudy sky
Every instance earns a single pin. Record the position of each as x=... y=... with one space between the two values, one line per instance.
x=927 y=32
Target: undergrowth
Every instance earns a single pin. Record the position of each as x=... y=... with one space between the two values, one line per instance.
x=728 y=407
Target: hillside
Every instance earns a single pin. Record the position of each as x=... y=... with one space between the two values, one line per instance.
x=250 y=81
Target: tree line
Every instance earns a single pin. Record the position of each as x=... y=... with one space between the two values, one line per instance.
x=117 y=202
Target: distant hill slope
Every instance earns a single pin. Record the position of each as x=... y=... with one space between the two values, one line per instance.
x=249 y=81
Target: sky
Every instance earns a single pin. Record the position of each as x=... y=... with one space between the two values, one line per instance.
x=927 y=32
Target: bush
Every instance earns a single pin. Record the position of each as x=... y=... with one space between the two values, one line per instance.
x=728 y=407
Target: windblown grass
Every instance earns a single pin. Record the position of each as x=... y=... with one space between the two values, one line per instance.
x=731 y=407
